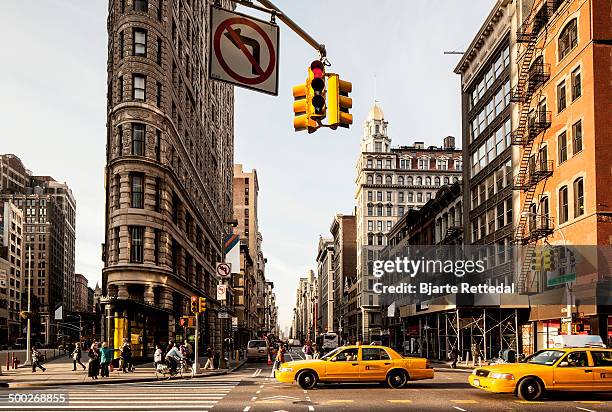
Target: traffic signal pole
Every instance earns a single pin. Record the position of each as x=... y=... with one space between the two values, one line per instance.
x=271 y=8
x=196 y=366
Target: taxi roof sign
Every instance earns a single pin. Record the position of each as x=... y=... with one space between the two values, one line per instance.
x=578 y=341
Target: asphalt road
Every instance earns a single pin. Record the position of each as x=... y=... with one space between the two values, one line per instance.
x=252 y=389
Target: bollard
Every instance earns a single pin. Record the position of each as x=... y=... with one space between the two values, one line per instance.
x=13 y=359
x=8 y=365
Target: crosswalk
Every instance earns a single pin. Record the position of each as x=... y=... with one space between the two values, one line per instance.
x=200 y=394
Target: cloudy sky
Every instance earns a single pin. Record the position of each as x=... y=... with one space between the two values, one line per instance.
x=53 y=110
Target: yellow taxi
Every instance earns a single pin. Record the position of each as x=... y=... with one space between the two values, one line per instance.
x=356 y=363
x=555 y=369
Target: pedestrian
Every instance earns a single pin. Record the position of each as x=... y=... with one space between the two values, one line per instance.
x=217 y=359
x=105 y=360
x=158 y=356
x=189 y=351
x=315 y=352
x=280 y=356
x=307 y=349
x=94 y=361
x=454 y=357
x=77 y=353
x=209 y=359
x=36 y=356
x=126 y=356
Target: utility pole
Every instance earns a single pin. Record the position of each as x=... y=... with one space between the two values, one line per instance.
x=29 y=327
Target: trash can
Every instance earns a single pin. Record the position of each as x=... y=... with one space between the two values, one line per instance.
x=509 y=355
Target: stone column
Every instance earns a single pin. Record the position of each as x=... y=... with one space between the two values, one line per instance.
x=122 y=292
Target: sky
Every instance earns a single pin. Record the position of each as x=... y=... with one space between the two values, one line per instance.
x=53 y=110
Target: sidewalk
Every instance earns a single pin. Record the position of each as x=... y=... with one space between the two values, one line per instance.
x=461 y=367
x=59 y=372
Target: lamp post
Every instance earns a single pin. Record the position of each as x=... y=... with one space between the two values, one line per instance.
x=29 y=321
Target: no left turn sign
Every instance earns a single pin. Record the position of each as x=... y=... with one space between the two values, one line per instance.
x=243 y=51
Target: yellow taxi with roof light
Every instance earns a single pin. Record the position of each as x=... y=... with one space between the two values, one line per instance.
x=556 y=369
x=356 y=363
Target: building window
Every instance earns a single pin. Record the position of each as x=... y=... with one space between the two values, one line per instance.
x=379 y=197
x=410 y=197
x=379 y=179
x=389 y=211
x=141 y=5
x=577 y=136
x=563 y=205
x=379 y=164
x=437 y=181
x=158 y=94
x=369 y=164
x=562 y=146
x=561 y=101
x=137 y=187
x=158 y=194
x=370 y=225
x=138 y=139
x=576 y=84
x=370 y=179
x=388 y=196
x=400 y=211
x=120 y=88
x=370 y=211
x=423 y=164
x=159 y=51
x=139 y=87
x=377 y=147
x=419 y=181
x=568 y=38
x=136 y=244
x=578 y=197
x=158 y=145
x=388 y=180
x=442 y=164
x=140 y=43
x=156 y=245
x=419 y=197
x=369 y=196
x=428 y=181
x=400 y=197
x=122 y=44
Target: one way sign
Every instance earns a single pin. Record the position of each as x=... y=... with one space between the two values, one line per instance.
x=243 y=50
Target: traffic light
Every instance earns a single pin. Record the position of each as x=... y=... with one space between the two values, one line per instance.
x=202 y=305
x=548 y=259
x=195 y=305
x=316 y=82
x=301 y=120
x=184 y=321
x=339 y=101
x=536 y=264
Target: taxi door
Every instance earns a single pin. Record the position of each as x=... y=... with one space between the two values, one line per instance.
x=574 y=372
x=343 y=367
x=602 y=369
x=375 y=362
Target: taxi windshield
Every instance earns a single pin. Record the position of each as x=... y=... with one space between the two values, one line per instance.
x=329 y=355
x=545 y=357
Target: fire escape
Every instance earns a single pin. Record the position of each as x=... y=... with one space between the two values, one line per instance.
x=533 y=168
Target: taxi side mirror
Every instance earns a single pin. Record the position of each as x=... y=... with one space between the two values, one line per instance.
x=563 y=364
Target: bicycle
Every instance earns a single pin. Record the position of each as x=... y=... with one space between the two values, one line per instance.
x=183 y=369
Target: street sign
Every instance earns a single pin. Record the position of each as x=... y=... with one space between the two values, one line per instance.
x=223 y=315
x=221 y=292
x=243 y=51
x=224 y=269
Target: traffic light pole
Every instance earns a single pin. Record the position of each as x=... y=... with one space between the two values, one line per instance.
x=196 y=366
x=270 y=7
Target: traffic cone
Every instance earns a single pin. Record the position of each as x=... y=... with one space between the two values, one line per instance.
x=269 y=360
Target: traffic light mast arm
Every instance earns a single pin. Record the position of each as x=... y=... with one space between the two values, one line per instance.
x=270 y=7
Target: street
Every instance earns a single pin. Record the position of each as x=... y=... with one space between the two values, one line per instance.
x=252 y=389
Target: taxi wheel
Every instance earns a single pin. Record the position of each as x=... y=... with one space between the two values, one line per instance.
x=307 y=380
x=530 y=389
x=397 y=379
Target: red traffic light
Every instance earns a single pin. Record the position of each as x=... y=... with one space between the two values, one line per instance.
x=317 y=69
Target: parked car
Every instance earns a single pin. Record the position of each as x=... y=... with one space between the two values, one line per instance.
x=257 y=349
x=356 y=363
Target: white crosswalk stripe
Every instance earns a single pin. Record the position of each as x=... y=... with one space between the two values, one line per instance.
x=184 y=395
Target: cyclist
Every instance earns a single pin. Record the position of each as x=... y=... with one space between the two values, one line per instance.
x=173 y=357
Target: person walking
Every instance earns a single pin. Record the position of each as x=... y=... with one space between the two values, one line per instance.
x=209 y=359
x=280 y=356
x=36 y=356
x=158 y=356
x=94 y=361
x=315 y=352
x=77 y=354
x=307 y=349
x=454 y=357
x=126 y=356
x=105 y=360
x=217 y=359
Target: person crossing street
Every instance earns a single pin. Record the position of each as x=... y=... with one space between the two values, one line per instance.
x=36 y=357
x=77 y=354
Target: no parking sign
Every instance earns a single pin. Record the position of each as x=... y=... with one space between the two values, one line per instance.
x=243 y=51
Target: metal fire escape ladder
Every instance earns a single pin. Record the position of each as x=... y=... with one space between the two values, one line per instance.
x=524 y=136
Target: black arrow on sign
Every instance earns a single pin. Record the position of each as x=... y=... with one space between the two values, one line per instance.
x=235 y=37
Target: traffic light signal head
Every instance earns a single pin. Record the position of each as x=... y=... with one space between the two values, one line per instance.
x=301 y=120
x=194 y=304
x=548 y=259
x=537 y=260
x=202 y=305
x=339 y=101
x=316 y=81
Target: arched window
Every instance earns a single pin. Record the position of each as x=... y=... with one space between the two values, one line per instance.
x=400 y=180
x=563 y=205
x=388 y=180
x=419 y=181
x=428 y=181
x=568 y=38
x=370 y=179
x=436 y=181
x=446 y=180
x=378 y=179
x=409 y=181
